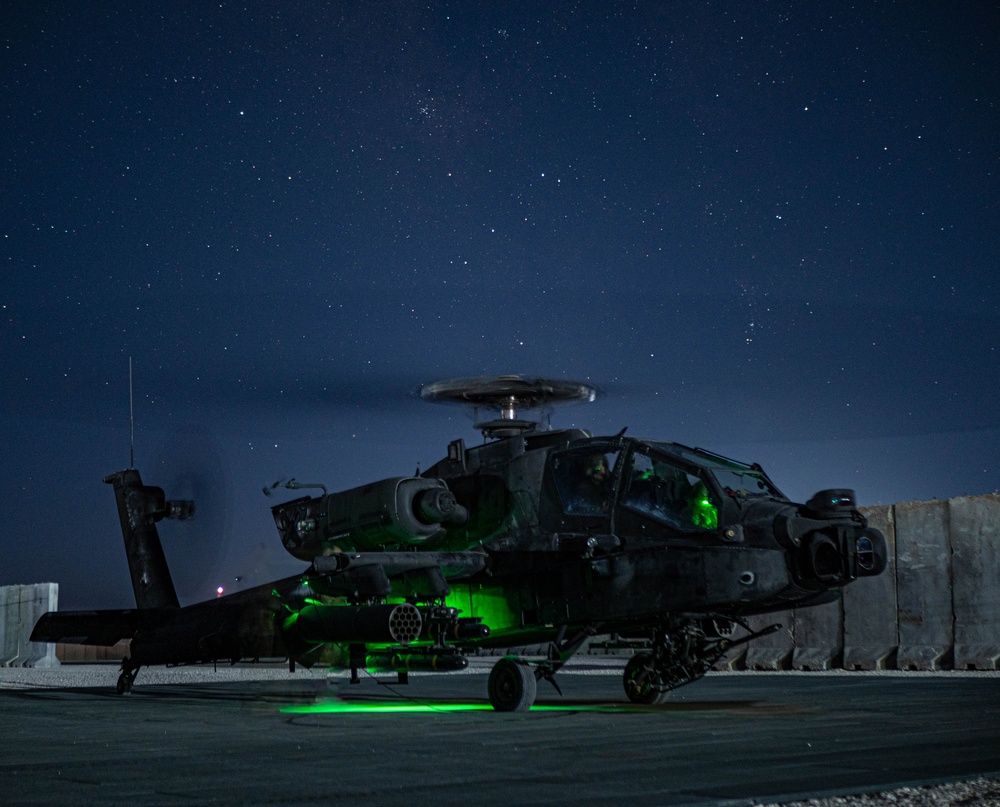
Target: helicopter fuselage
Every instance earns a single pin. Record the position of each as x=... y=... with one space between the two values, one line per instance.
x=610 y=534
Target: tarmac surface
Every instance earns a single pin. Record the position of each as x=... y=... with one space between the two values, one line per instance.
x=259 y=735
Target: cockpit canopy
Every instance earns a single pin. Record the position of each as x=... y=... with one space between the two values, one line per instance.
x=680 y=487
x=734 y=478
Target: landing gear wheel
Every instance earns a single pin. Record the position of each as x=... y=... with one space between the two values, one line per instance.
x=642 y=681
x=512 y=686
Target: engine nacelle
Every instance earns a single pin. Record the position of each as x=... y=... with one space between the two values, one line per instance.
x=401 y=511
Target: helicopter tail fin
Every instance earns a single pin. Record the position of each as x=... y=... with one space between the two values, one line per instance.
x=139 y=508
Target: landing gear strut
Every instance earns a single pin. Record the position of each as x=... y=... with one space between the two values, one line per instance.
x=683 y=651
x=513 y=682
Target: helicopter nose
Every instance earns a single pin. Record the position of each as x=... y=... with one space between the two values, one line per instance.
x=836 y=554
x=829 y=542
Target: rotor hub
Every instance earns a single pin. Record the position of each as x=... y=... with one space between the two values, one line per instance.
x=506 y=394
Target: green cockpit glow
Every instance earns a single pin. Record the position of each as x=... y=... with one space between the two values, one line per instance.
x=703 y=512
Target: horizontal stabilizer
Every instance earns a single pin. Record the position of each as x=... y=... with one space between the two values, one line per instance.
x=86 y=627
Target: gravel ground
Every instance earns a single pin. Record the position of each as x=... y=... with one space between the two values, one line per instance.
x=106 y=675
x=977 y=793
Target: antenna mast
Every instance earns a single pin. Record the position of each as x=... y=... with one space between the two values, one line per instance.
x=131 y=419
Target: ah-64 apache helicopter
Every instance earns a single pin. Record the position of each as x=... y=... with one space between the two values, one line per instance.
x=533 y=538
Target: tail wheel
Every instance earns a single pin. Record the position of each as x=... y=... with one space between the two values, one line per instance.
x=126 y=677
x=642 y=682
x=512 y=686
x=124 y=684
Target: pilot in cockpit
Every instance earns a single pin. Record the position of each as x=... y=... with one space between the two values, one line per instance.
x=593 y=493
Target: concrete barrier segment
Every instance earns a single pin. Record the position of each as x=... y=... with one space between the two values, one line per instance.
x=817 y=636
x=871 y=634
x=38 y=599
x=20 y=608
x=774 y=651
x=8 y=595
x=975 y=541
x=736 y=657
x=923 y=586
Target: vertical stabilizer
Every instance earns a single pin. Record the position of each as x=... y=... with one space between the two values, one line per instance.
x=139 y=508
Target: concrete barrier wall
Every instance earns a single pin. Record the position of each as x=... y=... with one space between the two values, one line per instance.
x=936 y=607
x=20 y=608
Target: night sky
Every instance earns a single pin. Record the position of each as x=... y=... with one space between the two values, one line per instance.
x=765 y=228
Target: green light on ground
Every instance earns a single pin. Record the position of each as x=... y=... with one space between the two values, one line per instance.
x=341 y=707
